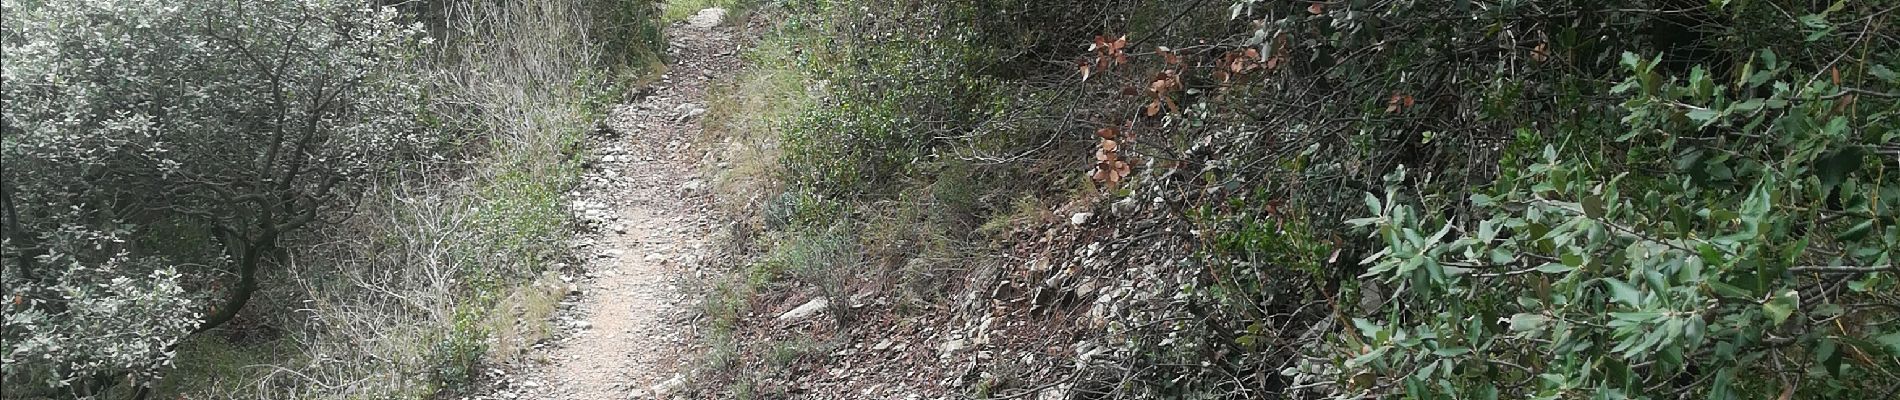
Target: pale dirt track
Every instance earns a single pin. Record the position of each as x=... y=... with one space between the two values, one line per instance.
x=647 y=214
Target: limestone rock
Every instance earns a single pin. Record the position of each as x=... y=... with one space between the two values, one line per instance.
x=807 y=310
x=707 y=18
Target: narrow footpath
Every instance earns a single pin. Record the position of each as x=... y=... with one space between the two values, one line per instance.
x=647 y=213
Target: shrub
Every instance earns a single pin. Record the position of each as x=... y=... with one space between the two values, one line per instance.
x=146 y=137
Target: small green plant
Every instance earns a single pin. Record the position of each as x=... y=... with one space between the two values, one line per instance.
x=457 y=355
x=1690 y=280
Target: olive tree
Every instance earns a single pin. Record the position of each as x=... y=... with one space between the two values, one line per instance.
x=157 y=153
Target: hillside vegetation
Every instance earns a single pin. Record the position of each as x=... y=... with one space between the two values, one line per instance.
x=295 y=199
x=1340 y=199
x=988 y=199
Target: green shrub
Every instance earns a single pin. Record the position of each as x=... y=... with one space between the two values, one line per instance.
x=229 y=126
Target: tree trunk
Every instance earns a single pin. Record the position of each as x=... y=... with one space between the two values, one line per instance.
x=251 y=255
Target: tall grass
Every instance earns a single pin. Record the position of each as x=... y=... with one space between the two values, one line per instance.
x=450 y=264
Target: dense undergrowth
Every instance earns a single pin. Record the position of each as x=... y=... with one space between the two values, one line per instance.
x=465 y=272
x=1641 y=199
x=441 y=262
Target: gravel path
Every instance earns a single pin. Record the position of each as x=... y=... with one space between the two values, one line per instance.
x=625 y=333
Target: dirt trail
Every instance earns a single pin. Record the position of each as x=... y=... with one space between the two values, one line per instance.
x=624 y=334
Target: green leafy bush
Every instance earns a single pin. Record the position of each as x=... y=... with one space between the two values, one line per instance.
x=1759 y=244
x=157 y=154
x=1719 y=235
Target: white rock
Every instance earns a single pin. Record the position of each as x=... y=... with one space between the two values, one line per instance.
x=665 y=389
x=952 y=346
x=809 y=309
x=1058 y=392
x=707 y=18
x=1080 y=218
x=1125 y=206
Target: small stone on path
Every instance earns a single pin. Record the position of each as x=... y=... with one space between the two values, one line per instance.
x=707 y=18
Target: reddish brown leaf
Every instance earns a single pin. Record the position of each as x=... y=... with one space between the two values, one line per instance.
x=1540 y=53
x=1840 y=106
x=1106 y=133
x=1154 y=108
x=1316 y=8
x=1084 y=67
x=1168 y=56
x=1398 y=102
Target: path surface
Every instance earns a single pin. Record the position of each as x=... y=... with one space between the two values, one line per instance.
x=624 y=334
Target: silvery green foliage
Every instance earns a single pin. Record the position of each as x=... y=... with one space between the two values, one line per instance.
x=148 y=144
x=217 y=96
x=112 y=316
x=1680 y=283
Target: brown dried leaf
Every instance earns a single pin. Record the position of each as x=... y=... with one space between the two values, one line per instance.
x=1398 y=102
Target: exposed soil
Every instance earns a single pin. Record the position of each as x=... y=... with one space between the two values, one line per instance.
x=625 y=331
